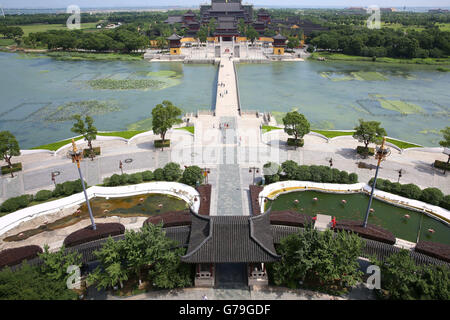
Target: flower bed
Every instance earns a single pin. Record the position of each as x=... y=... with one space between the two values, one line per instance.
x=87 y=152
x=84 y=235
x=365 y=151
x=11 y=257
x=205 y=199
x=295 y=143
x=434 y=249
x=289 y=218
x=254 y=194
x=372 y=232
x=161 y=144
x=171 y=219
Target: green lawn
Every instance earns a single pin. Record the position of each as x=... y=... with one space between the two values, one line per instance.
x=269 y=128
x=56 y=145
x=332 y=134
x=345 y=57
x=188 y=129
x=6 y=42
x=30 y=28
x=403 y=145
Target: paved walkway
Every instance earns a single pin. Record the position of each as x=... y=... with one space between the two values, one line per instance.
x=227 y=99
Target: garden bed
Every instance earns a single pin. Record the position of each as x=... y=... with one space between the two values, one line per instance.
x=371 y=232
x=289 y=218
x=295 y=143
x=15 y=167
x=171 y=219
x=433 y=249
x=365 y=151
x=161 y=144
x=205 y=199
x=442 y=165
x=11 y=257
x=87 y=152
x=254 y=194
x=84 y=235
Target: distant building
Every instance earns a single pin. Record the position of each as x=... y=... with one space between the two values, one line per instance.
x=438 y=11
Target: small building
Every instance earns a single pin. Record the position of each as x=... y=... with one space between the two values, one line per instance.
x=279 y=44
x=174 y=44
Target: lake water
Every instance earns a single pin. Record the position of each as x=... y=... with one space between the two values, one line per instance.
x=334 y=95
x=39 y=95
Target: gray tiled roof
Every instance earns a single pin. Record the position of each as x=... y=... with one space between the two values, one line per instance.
x=179 y=234
x=229 y=239
x=279 y=232
x=174 y=19
x=226 y=7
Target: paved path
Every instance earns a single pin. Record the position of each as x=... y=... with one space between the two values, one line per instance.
x=227 y=99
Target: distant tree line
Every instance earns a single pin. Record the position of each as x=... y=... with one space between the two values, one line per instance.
x=48 y=18
x=385 y=42
x=122 y=39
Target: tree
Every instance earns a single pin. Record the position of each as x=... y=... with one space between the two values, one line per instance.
x=164 y=116
x=172 y=171
x=28 y=283
x=192 y=175
x=295 y=124
x=369 y=131
x=446 y=142
x=212 y=25
x=252 y=34
x=9 y=147
x=322 y=258
x=202 y=34
x=242 y=27
x=271 y=171
x=293 y=42
x=87 y=130
x=161 y=42
x=56 y=263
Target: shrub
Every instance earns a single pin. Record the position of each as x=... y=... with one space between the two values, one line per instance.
x=271 y=172
x=295 y=143
x=59 y=190
x=124 y=179
x=325 y=174
x=442 y=165
x=411 y=191
x=290 y=169
x=335 y=175
x=303 y=173
x=445 y=202
x=43 y=195
x=387 y=185
x=343 y=177
x=365 y=151
x=432 y=195
x=315 y=173
x=147 y=175
x=158 y=174
x=87 y=152
x=16 y=203
x=353 y=178
x=396 y=188
x=113 y=181
x=135 y=178
x=172 y=171
x=15 y=167
x=160 y=144
x=191 y=175
x=68 y=188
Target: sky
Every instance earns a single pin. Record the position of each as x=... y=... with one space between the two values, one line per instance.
x=150 y=3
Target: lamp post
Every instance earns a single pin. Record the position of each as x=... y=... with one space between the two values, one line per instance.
x=76 y=158
x=380 y=155
x=254 y=170
x=400 y=172
x=54 y=175
x=205 y=173
x=121 y=166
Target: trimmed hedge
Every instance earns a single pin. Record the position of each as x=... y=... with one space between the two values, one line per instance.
x=104 y=230
x=147 y=176
x=365 y=151
x=371 y=232
x=295 y=143
x=171 y=219
x=87 y=152
x=160 y=144
x=62 y=189
x=433 y=249
x=43 y=195
x=442 y=165
x=14 y=256
x=15 y=167
x=16 y=203
x=325 y=174
x=432 y=196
